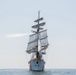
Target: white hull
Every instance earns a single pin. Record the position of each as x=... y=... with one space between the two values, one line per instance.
x=36 y=66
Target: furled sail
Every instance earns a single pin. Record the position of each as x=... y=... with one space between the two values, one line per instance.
x=39 y=19
x=38 y=25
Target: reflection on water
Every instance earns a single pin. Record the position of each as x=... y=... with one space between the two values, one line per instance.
x=46 y=72
x=55 y=72
x=41 y=73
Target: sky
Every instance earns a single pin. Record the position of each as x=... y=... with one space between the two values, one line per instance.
x=16 y=19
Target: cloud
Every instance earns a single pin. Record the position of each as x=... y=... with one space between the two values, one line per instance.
x=15 y=35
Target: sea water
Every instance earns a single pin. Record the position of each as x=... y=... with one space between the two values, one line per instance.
x=46 y=72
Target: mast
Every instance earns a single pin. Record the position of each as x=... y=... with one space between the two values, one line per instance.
x=38 y=20
x=38 y=27
x=39 y=34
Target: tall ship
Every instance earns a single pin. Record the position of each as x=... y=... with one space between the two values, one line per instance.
x=37 y=45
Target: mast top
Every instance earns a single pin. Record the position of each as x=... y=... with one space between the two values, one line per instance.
x=38 y=25
x=38 y=14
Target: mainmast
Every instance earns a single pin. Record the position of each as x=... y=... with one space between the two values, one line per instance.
x=38 y=20
x=38 y=27
x=39 y=34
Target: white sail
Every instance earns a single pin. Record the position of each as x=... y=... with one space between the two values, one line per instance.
x=43 y=39
x=32 y=43
x=44 y=42
x=42 y=34
x=33 y=37
x=44 y=45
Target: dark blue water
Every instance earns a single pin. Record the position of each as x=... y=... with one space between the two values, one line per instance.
x=46 y=72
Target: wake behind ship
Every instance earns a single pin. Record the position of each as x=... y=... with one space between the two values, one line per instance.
x=37 y=45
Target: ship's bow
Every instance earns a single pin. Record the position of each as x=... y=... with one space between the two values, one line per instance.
x=37 y=66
